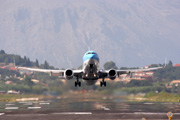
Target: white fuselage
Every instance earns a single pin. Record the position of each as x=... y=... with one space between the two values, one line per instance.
x=90 y=68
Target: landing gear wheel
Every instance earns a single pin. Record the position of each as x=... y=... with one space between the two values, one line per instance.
x=103 y=83
x=77 y=83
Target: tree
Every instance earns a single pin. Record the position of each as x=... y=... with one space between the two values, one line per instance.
x=173 y=89
x=46 y=65
x=6 y=61
x=2 y=52
x=27 y=81
x=28 y=62
x=37 y=63
x=24 y=61
x=18 y=60
x=134 y=83
x=110 y=65
x=169 y=66
x=168 y=73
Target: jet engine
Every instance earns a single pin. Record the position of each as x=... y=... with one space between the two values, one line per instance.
x=112 y=74
x=68 y=74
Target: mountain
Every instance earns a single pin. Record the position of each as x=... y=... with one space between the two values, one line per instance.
x=130 y=33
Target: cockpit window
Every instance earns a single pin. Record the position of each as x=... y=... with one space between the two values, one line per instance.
x=90 y=53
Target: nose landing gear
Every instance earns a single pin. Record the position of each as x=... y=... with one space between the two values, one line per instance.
x=91 y=68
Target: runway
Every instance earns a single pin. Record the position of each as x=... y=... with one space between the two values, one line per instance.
x=87 y=109
x=86 y=116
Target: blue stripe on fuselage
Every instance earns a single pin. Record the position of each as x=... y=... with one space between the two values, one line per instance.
x=90 y=55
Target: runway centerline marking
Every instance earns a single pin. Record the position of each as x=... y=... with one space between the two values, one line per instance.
x=149 y=103
x=25 y=115
x=11 y=108
x=105 y=108
x=74 y=113
x=151 y=113
x=9 y=104
x=33 y=107
x=44 y=103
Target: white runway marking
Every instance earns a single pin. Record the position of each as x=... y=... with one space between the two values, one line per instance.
x=74 y=113
x=28 y=103
x=25 y=115
x=11 y=108
x=9 y=104
x=148 y=103
x=151 y=113
x=105 y=108
x=2 y=114
x=44 y=103
x=33 y=107
x=141 y=113
x=166 y=103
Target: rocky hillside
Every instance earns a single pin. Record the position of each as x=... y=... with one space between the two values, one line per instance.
x=131 y=33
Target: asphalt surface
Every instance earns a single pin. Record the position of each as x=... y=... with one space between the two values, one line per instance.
x=73 y=109
x=93 y=115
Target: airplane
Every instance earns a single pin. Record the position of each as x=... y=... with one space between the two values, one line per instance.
x=90 y=71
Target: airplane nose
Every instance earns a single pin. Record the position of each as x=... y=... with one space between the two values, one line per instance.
x=92 y=56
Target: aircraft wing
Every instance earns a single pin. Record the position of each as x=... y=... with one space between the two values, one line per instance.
x=40 y=70
x=113 y=72
x=47 y=70
x=119 y=72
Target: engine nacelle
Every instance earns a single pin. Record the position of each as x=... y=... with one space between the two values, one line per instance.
x=68 y=74
x=112 y=74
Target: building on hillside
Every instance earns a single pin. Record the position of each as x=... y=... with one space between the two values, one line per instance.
x=177 y=65
x=35 y=81
x=9 y=83
x=2 y=92
x=140 y=73
x=137 y=76
x=175 y=82
x=26 y=72
x=13 y=68
x=9 y=67
x=143 y=75
x=150 y=73
x=13 y=92
x=147 y=66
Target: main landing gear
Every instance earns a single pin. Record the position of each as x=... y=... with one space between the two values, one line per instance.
x=77 y=82
x=103 y=83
